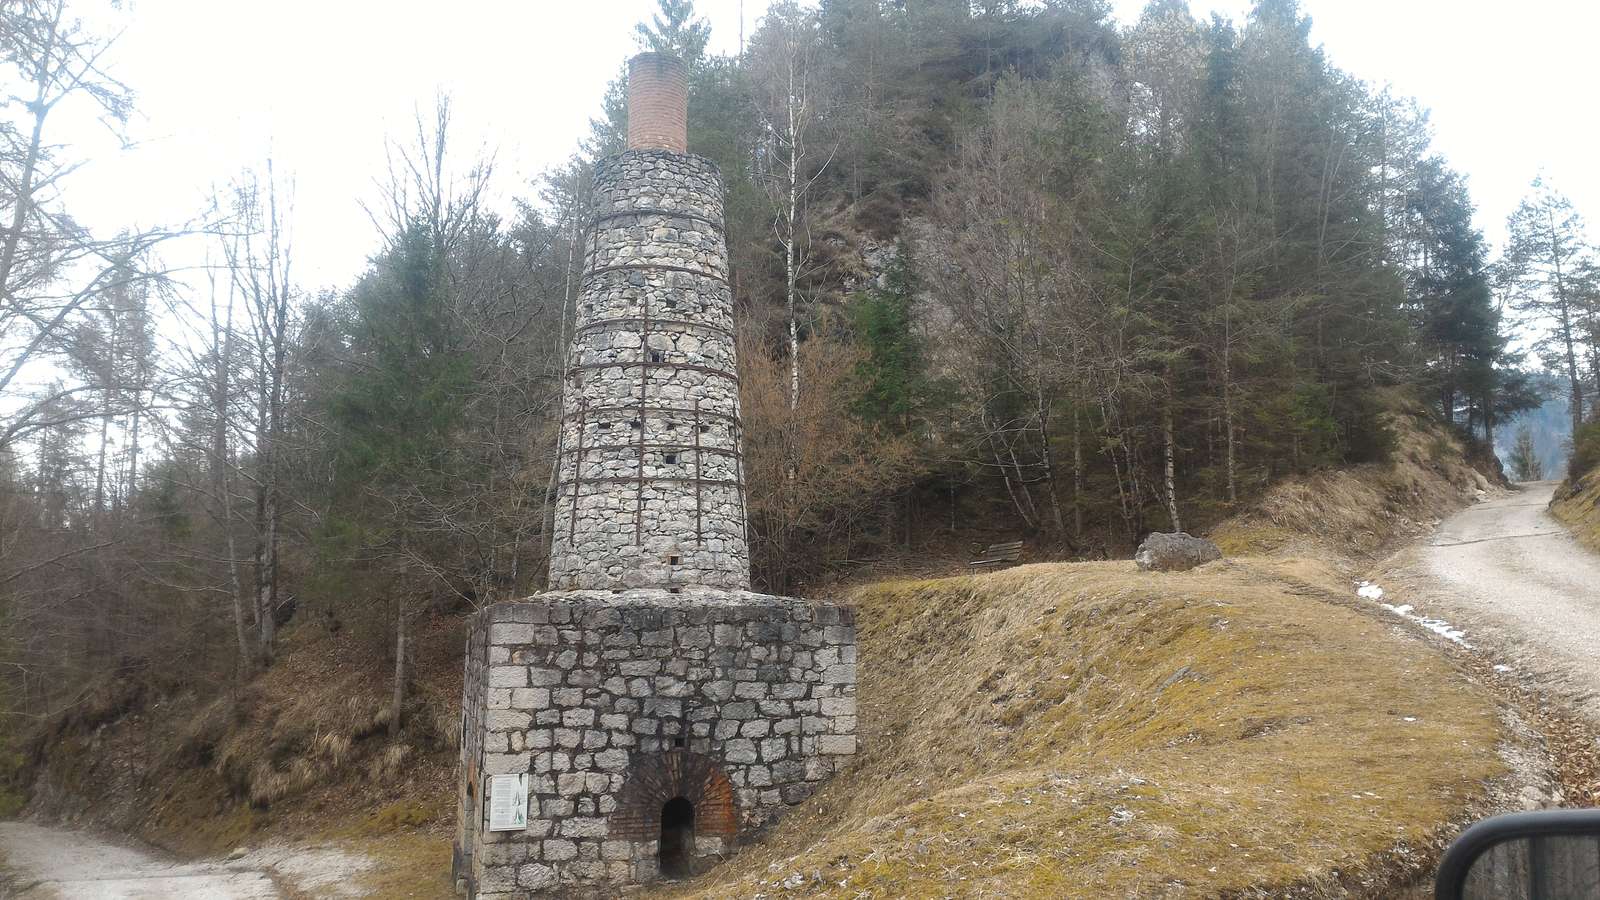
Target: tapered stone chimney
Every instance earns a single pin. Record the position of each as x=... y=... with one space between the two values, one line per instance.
x=651 y=484
x=648 y=713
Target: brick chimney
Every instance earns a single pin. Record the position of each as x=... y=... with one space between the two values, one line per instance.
x=658 y=103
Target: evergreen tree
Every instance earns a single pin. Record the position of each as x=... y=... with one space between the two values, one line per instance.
x=675 y=29
x=1525 y=463
x=1544 y=271
x=894 y=385
x=1457 y=323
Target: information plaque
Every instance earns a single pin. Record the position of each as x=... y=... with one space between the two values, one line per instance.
x=508 y=802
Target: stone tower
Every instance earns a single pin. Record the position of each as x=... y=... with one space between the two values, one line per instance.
x=651 y=491
x=648 y=712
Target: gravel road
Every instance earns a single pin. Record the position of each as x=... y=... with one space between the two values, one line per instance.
x=1517 y=582
x=40 y=862
x=49 y=862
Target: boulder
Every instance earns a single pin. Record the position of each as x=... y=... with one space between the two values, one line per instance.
x=1174 y=552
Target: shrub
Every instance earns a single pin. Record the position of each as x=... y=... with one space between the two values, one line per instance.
x=1585 y=449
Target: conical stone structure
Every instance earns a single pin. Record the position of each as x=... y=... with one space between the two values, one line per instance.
x=648 y=712
x=651 y=483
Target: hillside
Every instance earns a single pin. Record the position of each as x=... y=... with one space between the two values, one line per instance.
x=1084 y=729
x=1578 y=504
x=1047 y=726
x=1577 y=501
x=1360 y=512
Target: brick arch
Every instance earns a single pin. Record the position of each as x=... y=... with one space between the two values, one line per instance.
x=660 y=777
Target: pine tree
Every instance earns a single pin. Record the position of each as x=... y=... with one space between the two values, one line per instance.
x=1525 y=462
x=894 y=386
x=1457 y=324
x=1543 y=270
x=675 y=29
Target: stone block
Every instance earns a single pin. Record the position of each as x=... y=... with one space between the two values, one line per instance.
x=837 y=706
x=544 y=677
x=505 y=763
x=839 y=674
x=557 y=849
x=836 y=744
x=507 y=720
x=580 y=827
x=508 y=676
x=511 y=633
x=536 y=877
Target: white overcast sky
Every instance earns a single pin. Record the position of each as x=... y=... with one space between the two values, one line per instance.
x=319 y=84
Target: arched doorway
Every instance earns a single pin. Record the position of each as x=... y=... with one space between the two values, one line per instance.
x=677 y=838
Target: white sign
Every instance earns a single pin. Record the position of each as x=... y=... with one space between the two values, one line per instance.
x=508 y=802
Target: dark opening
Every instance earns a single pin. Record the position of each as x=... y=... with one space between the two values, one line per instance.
x=657 y=356
x=670 y=458
x=673 y=559
x=677 y=837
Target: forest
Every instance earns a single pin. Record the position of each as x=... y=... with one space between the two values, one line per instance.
x=1004 y=270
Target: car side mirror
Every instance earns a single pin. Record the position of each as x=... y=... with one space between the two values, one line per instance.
x=1547 y=855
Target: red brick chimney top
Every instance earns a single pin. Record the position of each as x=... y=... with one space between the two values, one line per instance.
x=658 y=103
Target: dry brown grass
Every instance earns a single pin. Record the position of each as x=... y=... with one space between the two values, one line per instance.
x=1087 y=730
x=1362 y=510
x=1579 y=507
x=300 y=751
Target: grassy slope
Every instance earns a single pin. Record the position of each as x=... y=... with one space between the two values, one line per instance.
x=1578 y=505
x=1361 y=511
x=1089 y=730
x=299 y=754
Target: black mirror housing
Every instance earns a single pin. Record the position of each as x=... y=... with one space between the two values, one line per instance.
x=1544 y=855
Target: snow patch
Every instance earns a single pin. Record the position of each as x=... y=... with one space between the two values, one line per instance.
x=1369 y=591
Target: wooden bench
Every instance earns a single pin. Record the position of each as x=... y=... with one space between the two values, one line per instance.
x=996 y=555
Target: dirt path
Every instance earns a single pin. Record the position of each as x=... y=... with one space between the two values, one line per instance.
x=54 y=862
x=1514 y=580
x=44 y=862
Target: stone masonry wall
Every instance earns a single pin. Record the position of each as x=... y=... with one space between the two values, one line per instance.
x=617 y=703
x=651 y=484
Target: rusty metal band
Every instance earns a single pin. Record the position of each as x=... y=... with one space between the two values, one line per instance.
x=600 y=324
x=699 y=535
x=660 y=267
x=649 y=408
x=577 y=467
x=720 y=373
x=666 y=448
x=654 y=211
x=644 y=382
x=676 y=479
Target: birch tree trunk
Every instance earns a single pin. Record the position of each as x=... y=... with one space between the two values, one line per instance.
x=399 y=695
x=1170 y=454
